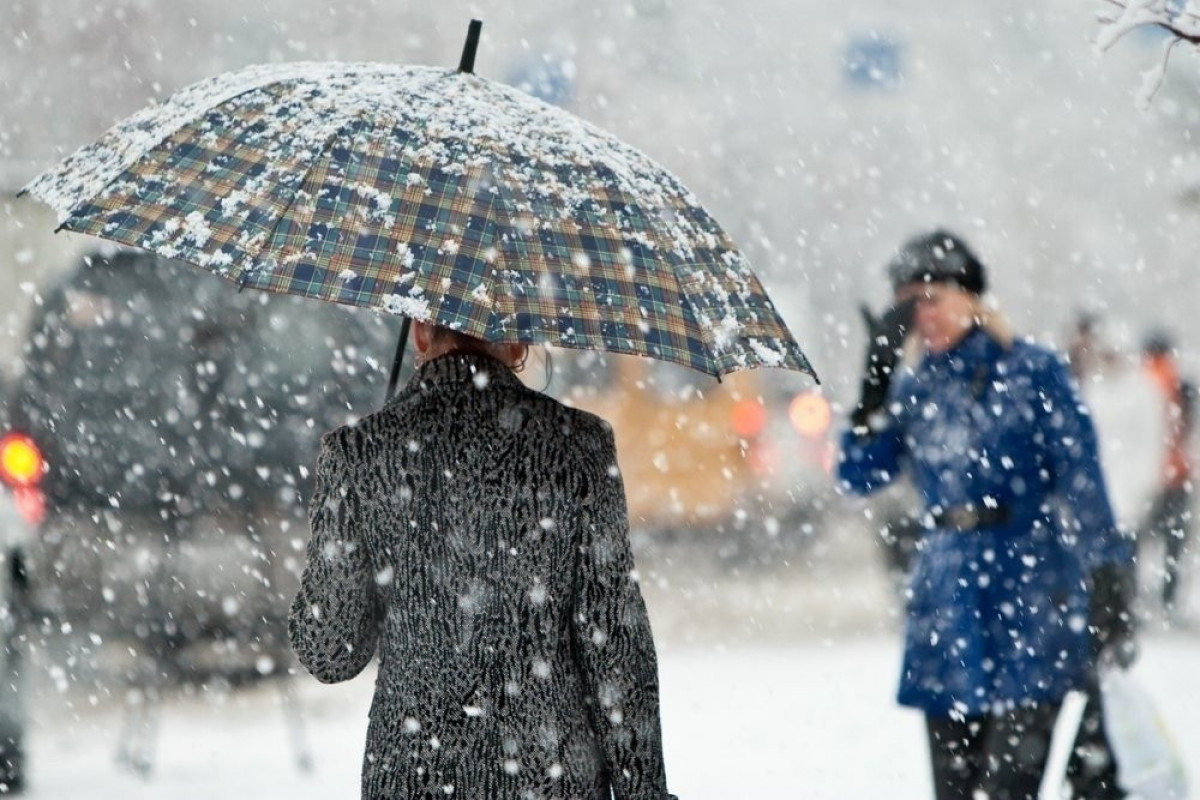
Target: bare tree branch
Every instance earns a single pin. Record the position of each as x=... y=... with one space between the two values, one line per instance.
x=1123 y=16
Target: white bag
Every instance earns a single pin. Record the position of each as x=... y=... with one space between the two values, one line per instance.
x=1149 y=764
x=1054 y=784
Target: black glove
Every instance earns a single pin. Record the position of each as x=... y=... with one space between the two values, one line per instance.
x=1110 y=618
x=883 y=352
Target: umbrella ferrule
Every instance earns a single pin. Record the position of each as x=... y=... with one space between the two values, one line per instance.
x=467 y=62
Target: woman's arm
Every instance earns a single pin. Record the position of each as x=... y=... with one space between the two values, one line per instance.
x=612 y=639
x=870 y=461
x=334 y=623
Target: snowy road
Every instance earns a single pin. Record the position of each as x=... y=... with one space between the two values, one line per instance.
x=808 y=719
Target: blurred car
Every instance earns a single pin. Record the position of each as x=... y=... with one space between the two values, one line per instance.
x=177 y=420
x=744 y=462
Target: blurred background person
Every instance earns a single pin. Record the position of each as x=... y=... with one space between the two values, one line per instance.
x=1123 y=402
x=1009 y=608
x=1170 y=514
x=1085 y=352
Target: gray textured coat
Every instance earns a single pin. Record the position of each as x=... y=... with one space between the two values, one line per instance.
x=473 y=532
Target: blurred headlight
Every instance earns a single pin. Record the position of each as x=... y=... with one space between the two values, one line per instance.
x=810 y=414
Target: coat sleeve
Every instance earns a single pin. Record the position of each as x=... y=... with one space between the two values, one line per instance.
x=611 y=635
x=334 y=621
x=871 y=461
x=1069 y=439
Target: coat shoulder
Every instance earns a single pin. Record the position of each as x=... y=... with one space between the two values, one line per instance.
x=586 y=431
x=588 y=423
x=338 y=438
x=1027 y=355
x=342 y=445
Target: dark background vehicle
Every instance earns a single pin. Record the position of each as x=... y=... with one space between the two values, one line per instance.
x=178 y=420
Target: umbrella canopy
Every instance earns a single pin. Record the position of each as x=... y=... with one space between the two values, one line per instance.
x=430 y=193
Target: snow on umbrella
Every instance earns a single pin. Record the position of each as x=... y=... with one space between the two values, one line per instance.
x=433 y=194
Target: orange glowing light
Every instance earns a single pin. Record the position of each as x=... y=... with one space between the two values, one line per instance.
x=810 y=414
x=20 y=460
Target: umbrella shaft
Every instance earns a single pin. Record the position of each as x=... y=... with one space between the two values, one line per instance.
x=398 y=360
x=467 y=62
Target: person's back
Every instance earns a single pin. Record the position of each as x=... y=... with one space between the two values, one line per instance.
x=515 y=654
x=1169 y=517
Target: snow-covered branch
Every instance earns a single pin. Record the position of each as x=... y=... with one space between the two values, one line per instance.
x=1181 y=20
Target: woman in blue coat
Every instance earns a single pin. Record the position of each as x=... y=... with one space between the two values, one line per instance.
x=1021 y=579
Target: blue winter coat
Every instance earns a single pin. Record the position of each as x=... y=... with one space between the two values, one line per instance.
x=997 y=616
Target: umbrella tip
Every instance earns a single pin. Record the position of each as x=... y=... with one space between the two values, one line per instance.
x=467 y=64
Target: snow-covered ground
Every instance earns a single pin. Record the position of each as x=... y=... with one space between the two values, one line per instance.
x=777 y=682
x=807 y=720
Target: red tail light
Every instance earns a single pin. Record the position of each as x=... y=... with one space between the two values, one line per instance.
x=31 y=504
x=764 y=458
x=748 y=418
x=21 y=464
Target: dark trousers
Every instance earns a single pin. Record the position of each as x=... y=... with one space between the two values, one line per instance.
x=1170 y=517
x=1001 y=756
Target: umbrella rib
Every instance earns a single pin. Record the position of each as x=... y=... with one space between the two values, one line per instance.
x=496 y=206
x=247 y=270
x=708 y=331
x=690 y=308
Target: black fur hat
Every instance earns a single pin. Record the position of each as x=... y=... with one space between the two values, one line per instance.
x=937 y=257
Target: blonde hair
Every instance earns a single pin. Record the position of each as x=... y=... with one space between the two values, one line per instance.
x=993 y=321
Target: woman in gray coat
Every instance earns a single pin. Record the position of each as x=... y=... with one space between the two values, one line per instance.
x=473 y=532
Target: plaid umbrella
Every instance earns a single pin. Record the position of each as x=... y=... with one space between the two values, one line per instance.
x=429 y=193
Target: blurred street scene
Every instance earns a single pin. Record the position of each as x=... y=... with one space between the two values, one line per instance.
x=145 y=594
x=766 y=682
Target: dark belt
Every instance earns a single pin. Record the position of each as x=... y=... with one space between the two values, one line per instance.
x=969 y=517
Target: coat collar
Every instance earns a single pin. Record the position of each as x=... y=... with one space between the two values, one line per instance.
x=458 y=369
x=974 y=348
